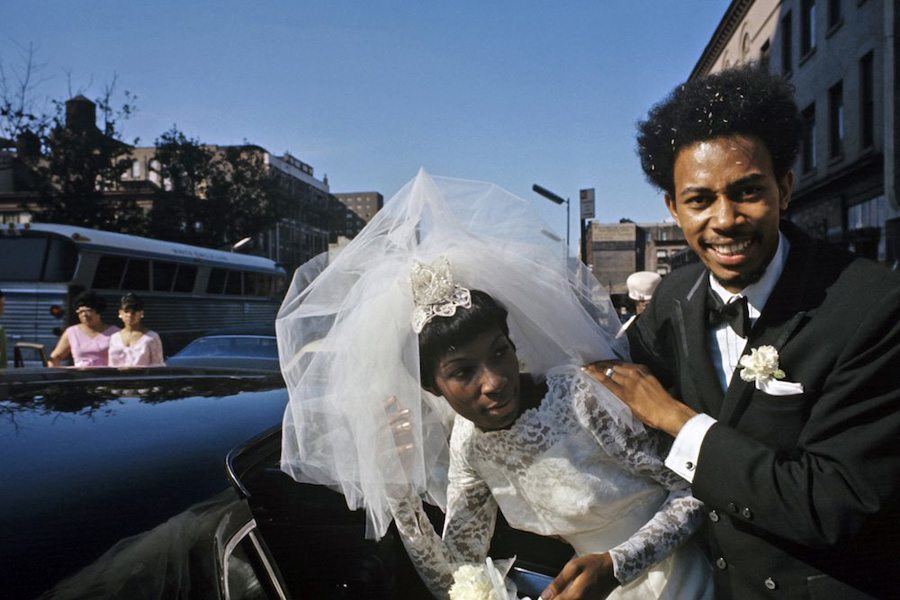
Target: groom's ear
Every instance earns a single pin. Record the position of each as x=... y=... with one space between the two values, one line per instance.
x=673 y=209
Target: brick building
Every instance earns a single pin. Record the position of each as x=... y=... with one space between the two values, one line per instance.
x=841 y=56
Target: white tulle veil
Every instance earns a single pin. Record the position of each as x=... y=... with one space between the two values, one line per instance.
x=346 y=341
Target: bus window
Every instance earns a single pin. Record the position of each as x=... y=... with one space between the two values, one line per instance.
x=137 y=275
x=216 y=281
x=61 y=259
x=163 y=275
x=233 y=285
x=263 y=285
x=184 y=280
x=109 y=272
x=22 y=258
x=251 y=283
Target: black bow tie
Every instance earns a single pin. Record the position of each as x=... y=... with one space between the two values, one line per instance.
x=735 y=313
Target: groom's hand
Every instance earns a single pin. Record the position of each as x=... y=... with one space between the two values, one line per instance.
x=636 y=386
x=588 y=577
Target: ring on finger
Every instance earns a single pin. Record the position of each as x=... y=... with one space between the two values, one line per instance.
x=609 y=372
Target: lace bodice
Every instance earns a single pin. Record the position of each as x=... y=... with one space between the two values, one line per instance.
x=566 y=468
x=146 y=351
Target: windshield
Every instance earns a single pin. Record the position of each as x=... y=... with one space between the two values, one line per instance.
x=246 y=346
x=37 y=258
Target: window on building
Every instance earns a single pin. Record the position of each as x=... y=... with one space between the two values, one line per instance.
x=834 y=13
x=836 y=119
x=786 y=43
x=136 y=169
x=807 y=26
x=867 y=101
x=808 y=156
x=764 y=52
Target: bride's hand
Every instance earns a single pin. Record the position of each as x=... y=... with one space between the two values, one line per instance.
x=588 y=577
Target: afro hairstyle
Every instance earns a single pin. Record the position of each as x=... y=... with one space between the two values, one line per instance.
x=746 y=100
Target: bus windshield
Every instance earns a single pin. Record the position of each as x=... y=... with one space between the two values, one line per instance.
x=37 y=258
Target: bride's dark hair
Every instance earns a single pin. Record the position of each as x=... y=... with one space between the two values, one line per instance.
x=442 y=334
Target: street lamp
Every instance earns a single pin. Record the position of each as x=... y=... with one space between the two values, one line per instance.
x=556 y=200
x=241 y=243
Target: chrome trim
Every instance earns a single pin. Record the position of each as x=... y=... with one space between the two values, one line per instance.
x=248 y=531
x=265 y=560
x=229 y=550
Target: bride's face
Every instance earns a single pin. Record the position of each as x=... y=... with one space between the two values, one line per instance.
x=480 y=380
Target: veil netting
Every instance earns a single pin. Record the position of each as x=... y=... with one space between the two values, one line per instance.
x=346 y=341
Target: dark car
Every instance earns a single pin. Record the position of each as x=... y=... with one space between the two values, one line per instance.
x=114 y=487
x=112 y=481
x=316 y=546
x=229 y=351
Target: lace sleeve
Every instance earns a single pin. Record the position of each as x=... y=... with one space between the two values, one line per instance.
x=471 y=516
x=678 y=517
x=636 y=452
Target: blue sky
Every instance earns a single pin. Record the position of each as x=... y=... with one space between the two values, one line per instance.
x=513 y=92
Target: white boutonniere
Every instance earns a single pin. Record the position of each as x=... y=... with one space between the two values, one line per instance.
x=761 y=366
x=486 y=581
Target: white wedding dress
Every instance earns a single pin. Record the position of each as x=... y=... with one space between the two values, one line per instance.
x=566 y=468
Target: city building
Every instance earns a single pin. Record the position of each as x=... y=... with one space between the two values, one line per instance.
x=619 y=249
x=303 y=228
x=362 y=207
x=841 y=56
x=665 y=240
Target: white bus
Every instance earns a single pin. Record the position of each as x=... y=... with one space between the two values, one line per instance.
x=187 y=290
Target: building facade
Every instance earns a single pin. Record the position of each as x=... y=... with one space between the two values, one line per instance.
x=841 y=57
x=303 y=228
x=361 y=206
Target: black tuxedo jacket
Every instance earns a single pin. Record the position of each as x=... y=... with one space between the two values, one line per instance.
x=802 y=490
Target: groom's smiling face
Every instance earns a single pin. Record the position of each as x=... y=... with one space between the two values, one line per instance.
x=728 y=202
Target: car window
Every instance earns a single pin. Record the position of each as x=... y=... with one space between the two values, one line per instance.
x=243 y=346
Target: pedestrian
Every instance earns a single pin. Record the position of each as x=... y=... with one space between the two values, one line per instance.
x=772 y=362
x=134 y=345
x=641 y=286
x=87 y=342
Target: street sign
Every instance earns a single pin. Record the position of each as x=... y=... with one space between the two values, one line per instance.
x=587 y=203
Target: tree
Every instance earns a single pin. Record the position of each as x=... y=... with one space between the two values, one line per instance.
x=185 y=168
x=81 y=168
x=212 y=196
x=67 y=166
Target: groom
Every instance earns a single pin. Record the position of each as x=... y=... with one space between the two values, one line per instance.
x=799 y=467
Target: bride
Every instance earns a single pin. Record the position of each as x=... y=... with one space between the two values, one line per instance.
x=455 y=304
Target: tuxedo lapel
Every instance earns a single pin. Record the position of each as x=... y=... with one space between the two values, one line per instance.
x=690 y=317
x=782 y=314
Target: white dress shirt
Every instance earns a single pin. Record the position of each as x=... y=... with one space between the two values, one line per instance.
x=726 y=348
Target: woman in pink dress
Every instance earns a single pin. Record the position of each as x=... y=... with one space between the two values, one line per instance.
x=87 y=342
x=134 y=345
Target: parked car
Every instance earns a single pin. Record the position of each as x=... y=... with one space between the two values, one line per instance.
x=317 y=546
x=230 y=351
x=114 y=487
x=112 y=481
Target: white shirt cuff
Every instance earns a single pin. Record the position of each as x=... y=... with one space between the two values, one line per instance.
x=682 y=458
